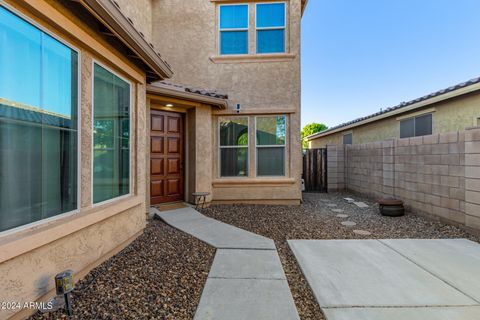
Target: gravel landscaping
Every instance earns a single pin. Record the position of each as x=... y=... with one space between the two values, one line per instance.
x=316 y=219
x=159 y=276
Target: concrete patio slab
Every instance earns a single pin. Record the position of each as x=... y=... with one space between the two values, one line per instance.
x=244 y=299
x=431 y=313
x=460 y=260
x=213 y=232
x=367 y=273
x=247 y=264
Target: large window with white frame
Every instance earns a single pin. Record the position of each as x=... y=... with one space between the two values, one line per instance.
x=38 y=124
x=270 y=27
x=270 y=145
x=234 y=29
x=111 y=135
x=233 y=136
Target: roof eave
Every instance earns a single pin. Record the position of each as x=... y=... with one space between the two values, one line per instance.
x=195 y=97
x=304 y=6
x=110 y=14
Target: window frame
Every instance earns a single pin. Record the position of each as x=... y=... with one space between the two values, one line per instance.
x=220 y=30
x=414 y=118
x=92 y=149
x=52 y=34
x=220 y=147
x=271 y=28
x=343 y=138
x=284 y=146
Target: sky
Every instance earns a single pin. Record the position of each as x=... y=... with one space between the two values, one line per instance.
x=362 y=55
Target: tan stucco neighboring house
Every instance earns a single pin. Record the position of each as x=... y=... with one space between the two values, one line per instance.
x=449 y=110
x=96 y=125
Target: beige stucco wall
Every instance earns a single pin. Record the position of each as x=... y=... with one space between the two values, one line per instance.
x=140 y=12
x=187 y=34
x=451 y=115
x=30 y=258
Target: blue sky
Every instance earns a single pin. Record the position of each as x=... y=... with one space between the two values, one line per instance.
x=362 y=55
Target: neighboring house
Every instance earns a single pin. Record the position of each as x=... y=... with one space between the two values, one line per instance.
x=92 y=132
x=453 y=109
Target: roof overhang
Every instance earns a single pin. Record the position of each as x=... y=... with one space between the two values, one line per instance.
x=304 y=5
x=412 y=107
x=108 y=12
x=168 y=91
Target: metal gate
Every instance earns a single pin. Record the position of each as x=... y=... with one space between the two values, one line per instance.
x=315 y=170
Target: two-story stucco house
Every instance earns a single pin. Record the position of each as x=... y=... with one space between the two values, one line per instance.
x=96 y=125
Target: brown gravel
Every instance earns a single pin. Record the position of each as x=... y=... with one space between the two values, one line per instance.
x=315 y=220
x=159 y=276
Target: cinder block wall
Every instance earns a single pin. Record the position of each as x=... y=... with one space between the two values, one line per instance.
x=436 y=175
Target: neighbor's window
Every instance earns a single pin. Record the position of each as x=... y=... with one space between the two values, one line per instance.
x=270 y=24
x=348 y=138
x=111 y=136
x=38 y=124
x=234 y=29
x=416 y=126
x=271 y=134
x=233 y=146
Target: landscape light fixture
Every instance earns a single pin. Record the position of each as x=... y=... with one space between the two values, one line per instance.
x=64 y=286
x=169 y=105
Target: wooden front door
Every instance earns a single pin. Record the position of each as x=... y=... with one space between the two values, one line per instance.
x=166 y=157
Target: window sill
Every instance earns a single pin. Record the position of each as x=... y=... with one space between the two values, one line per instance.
x=253 y=58
x=249 y=182
x=15 y=244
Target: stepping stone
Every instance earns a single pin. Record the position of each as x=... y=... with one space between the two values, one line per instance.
x=247 y=264
x=348 y=223
x=342 y=215
x=349 y=199
x=362 y=232
x=337 y=210
x=361 y=204
x=331 y=205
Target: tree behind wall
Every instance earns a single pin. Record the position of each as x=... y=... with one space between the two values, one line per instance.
x=310 y=129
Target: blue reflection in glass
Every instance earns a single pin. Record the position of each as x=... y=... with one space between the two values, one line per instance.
x=234 y=42
x=234 y=17
x=270 y=15
x=271 y=41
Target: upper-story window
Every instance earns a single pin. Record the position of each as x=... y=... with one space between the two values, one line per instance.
x=234 y=29
x=270 y=26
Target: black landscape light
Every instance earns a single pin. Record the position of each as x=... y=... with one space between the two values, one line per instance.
x=64 y=286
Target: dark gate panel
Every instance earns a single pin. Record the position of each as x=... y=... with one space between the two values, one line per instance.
x=315 y=170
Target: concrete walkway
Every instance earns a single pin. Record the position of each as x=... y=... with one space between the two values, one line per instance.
x=392 y=279
x=246 y=280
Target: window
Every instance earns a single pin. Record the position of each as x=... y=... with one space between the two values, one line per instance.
x=348 y=138
x=234 y=29
x=111 y=136
x=270 y=25
x=38 y=124
x=233 y=146
x=271 y=134
x=417 y=126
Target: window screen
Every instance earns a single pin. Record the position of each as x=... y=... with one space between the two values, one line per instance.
x=271 y=136
x=233 y=146
x=270 y=23
x=417 y=126
x=38 y=124
x=234 y=29
x=347 y=138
